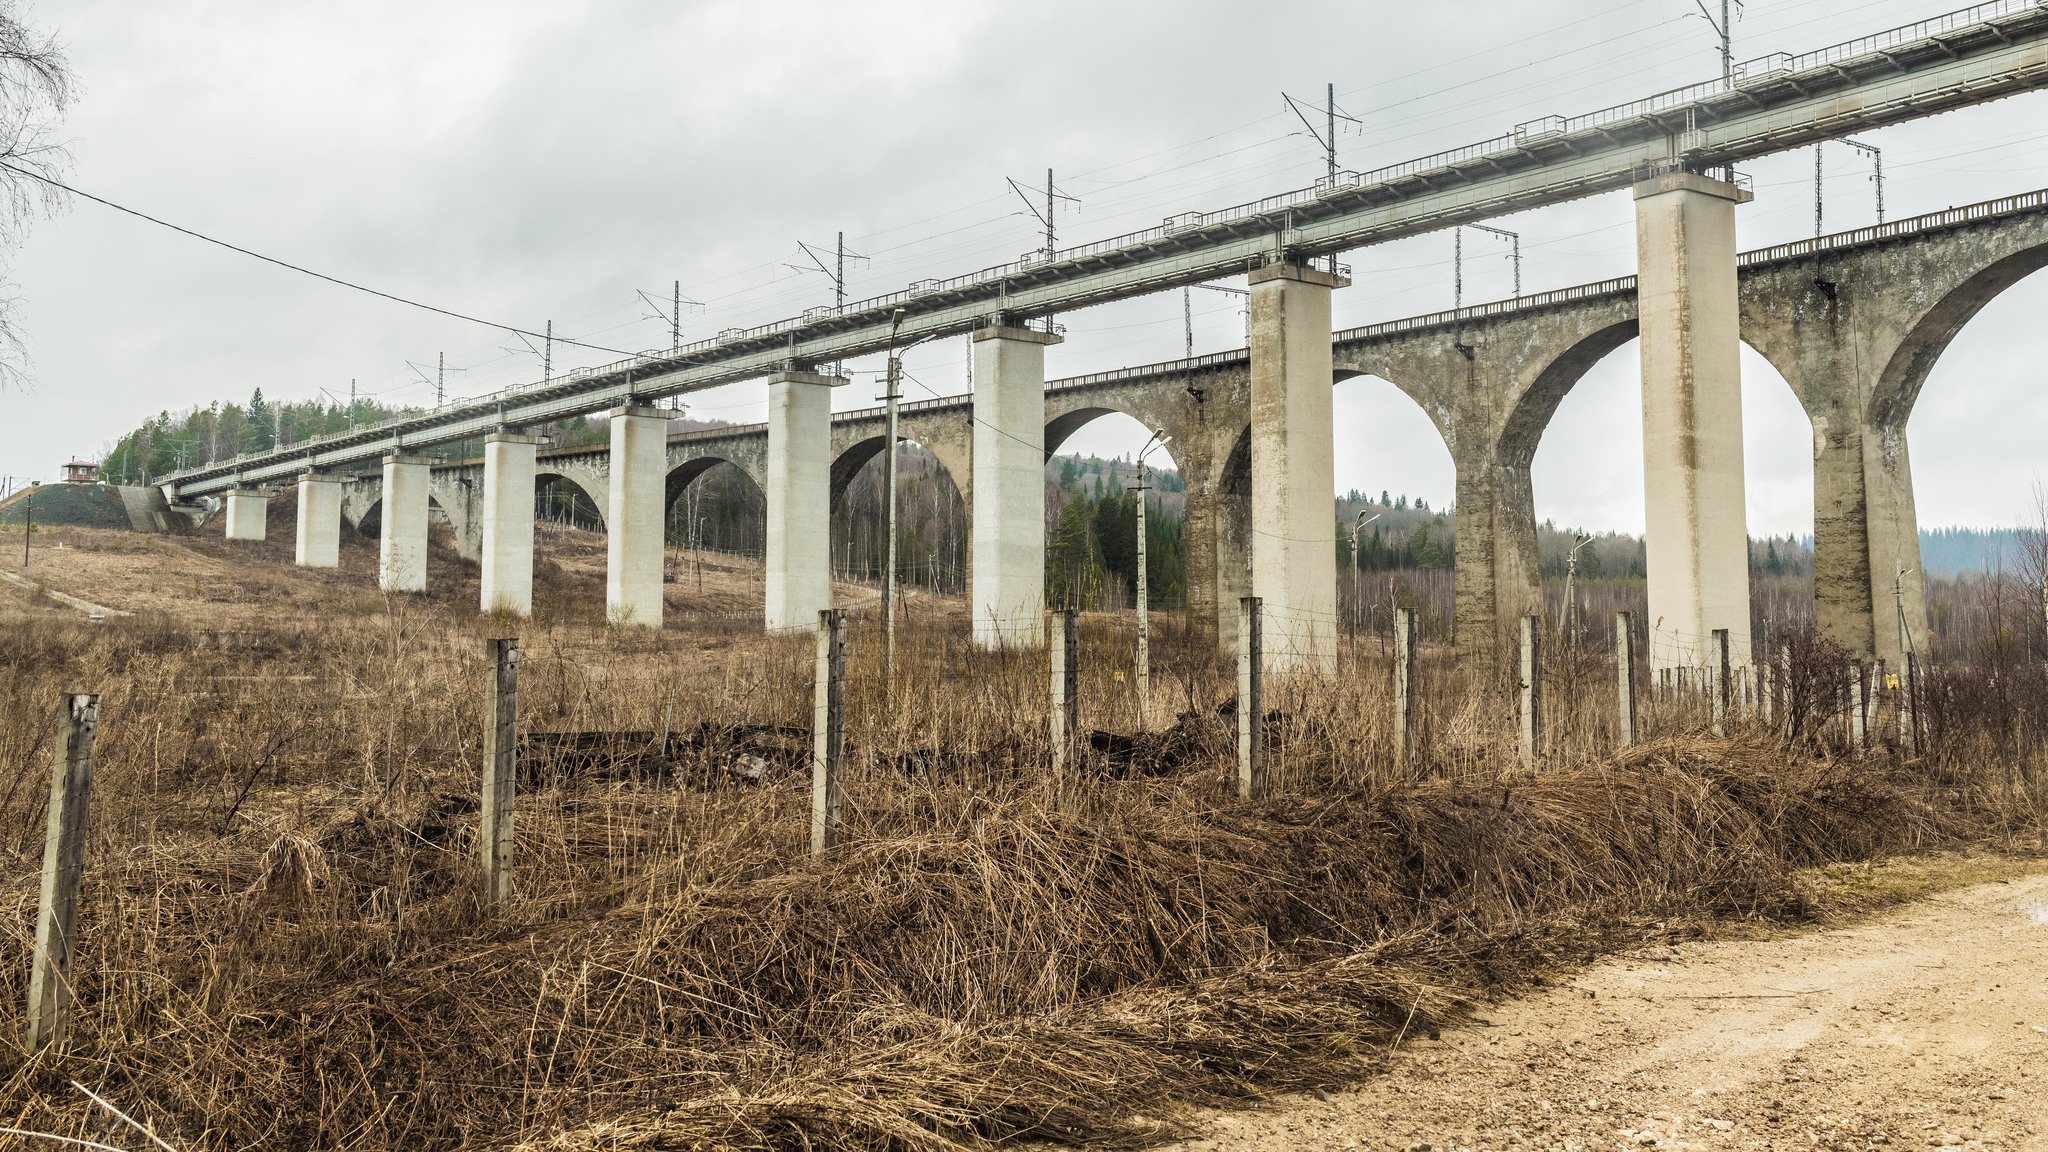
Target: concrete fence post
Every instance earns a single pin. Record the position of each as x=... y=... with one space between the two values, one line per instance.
x=828 y=732
x=501 y=768
x=1625 y=675
x=1407 y=641
x=1781 y=688
x=1723 y=681
x=1251 y=704
x=1531 y=694
x=1062 y=642
x=1859 y=709
x=1909 y=704
x=49 y=988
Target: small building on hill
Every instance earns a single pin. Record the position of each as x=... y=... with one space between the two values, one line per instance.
x=81 y=472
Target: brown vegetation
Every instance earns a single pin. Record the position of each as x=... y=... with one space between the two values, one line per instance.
x=282 y=942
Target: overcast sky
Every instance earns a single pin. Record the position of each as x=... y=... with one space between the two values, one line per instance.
x=528 y=162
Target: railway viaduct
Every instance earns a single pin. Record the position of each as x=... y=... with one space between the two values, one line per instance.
x=1854 y=322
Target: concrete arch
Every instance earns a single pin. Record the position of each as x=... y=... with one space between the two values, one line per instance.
x=855 y=456
x=1440 y=415
x=1063 y=426
x=1898 y=386
x=597 y=499
x=370 y=520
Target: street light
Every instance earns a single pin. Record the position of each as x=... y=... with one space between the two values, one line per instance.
x=1357 y=576
x=1159 y=439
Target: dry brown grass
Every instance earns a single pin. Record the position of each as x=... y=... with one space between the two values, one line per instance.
x=282 y=946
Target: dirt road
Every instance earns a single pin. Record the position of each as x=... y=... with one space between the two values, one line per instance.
x=1925 y=1027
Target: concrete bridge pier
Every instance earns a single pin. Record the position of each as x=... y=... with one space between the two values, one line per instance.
x=245 y=513
x=1293 y=469
x=506 y=556
x=1498 y=576
x=1866 y=542
x=1008 y=555
x=799 y=491
x=635 y=529
x=402 y=544
x=1697 y=539
x=319 y=531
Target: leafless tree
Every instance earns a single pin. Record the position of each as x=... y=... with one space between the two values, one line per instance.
x=36 y=86
x=2033 y=564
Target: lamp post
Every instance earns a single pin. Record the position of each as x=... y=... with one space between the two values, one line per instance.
x=1357 y=572
x=1565 y=611
x=1159 y=439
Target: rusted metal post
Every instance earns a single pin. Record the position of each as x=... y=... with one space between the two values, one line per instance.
x=1625 y=675
x=1531 y=694
x=1251 y=704
x=828 y=731
x=1407 y=642
x=1062 y=643
x=49 y=987
x=501 y=768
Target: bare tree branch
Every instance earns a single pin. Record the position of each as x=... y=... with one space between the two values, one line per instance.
x=36 y=87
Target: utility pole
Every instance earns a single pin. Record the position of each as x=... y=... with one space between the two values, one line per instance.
x=1327 y=135
x=1243 y=294
x=1045 y=217
x=351 y=403
x=1515 y=240
x=1724 y=29
x=547 y=355
x=440 y=378
x=1816 y=192
x=1877 y=170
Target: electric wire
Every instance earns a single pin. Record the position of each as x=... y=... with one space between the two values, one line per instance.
x=58 y=184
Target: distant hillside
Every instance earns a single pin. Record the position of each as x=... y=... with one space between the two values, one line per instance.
x=1947 y=551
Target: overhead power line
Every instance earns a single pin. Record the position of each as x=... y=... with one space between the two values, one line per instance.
x=20 y=171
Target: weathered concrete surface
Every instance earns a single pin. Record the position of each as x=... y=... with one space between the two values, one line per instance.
x=246 y=509
x=1696 y=546
x=318 y=543
x=1491 y=376
x=1490 y=384
x=1294 y=476
x=636 y=521
x=506 y=552
x=1855 y=331
x=1007 y=580
x=799 y=539
x=402 y=539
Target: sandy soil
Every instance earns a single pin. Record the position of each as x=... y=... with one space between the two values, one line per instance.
x=1924 y=1027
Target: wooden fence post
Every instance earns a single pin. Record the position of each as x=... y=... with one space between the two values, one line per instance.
x=1625 y=674
x=501 y=768
x=1062 y=643
x=1407 y=640
x=828 y=731
x=1251 y=703
x=1724 y=681
x=1531 y=702
x=49 y=988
